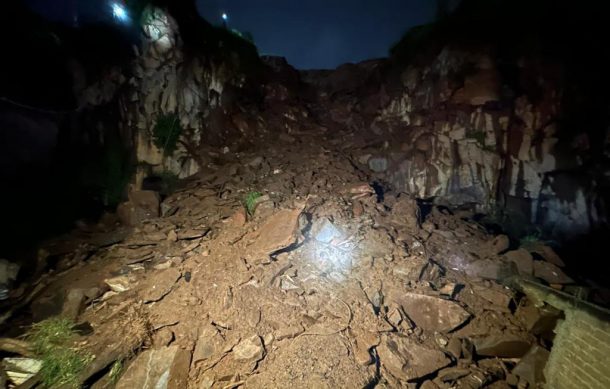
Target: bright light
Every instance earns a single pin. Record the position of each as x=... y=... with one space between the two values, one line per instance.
x=225 y=17
x=119 y=12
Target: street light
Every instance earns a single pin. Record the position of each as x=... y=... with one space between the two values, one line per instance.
x=119 y=12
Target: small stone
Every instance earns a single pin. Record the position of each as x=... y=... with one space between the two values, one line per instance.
x=449 y=289
x=395 y=317
x=364 y=159
x=249 y=350
x=454 y=347
x=73 y=304
x=452 y=373
x=172 y=236
x=208 y=344
x=118 y=284
x=256 y=162
x=162 y=337
x=440 y=340
x=357 y=209
x=378 y=164
x=429 y=385
x=499 y=244
x=20 y=370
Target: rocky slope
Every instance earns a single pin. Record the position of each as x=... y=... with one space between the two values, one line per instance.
x=359 y=261
x=327 y=283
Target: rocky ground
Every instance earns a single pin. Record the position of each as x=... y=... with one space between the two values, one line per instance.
x=331 y=281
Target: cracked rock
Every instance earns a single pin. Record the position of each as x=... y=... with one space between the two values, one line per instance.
x=433 y=313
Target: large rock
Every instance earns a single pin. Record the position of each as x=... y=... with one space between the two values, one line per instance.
x=407 y=360
x=142 y=205
x=522 y=259
x=551 y=273
x=433 y=313
x=157 y=369
x=278 y=232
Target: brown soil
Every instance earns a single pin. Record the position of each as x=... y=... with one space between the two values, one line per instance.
x=321 y=288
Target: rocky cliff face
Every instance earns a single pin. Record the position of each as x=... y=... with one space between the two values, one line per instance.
x=454 y=128
x=460 y=127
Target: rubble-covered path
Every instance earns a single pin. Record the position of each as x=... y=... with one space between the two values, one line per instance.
x=331 y=281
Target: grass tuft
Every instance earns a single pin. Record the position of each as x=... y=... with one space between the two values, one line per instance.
x=115 y=371
x=166 y=133
x=250 y=202
x=61 y=363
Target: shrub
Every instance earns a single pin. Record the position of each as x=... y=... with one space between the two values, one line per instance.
x=61 y=363
x=166 y=133
x=250 y=202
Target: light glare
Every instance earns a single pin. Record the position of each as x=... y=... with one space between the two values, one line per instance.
x=119 y=12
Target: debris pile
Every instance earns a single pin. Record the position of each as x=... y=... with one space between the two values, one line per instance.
x=328 y=283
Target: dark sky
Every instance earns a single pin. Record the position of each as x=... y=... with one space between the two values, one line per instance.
x=310 y=33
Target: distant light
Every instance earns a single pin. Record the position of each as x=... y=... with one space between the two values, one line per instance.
x=225 y=17
x=119 y=12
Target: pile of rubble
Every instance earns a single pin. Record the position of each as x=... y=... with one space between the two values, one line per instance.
x=329 y=282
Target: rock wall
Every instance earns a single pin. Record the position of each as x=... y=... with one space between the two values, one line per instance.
x=165 y=81
x=463 y=132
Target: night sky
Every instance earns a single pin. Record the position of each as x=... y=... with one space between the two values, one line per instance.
x=309 y=33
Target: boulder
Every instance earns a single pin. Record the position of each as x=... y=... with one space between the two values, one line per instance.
x=154 y=369
x=523 y=259
x=142 y=205
x=550 y=273
x=433 y=313
x=278 y=232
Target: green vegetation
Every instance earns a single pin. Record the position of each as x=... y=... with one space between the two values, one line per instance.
x=479 y=136
x=61 y=363
x=166 y=133
x=115 y=371
x=250 y=202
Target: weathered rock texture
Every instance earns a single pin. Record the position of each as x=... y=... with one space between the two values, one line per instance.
x=166 y=80
x=458 y=125
x=454 y=128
